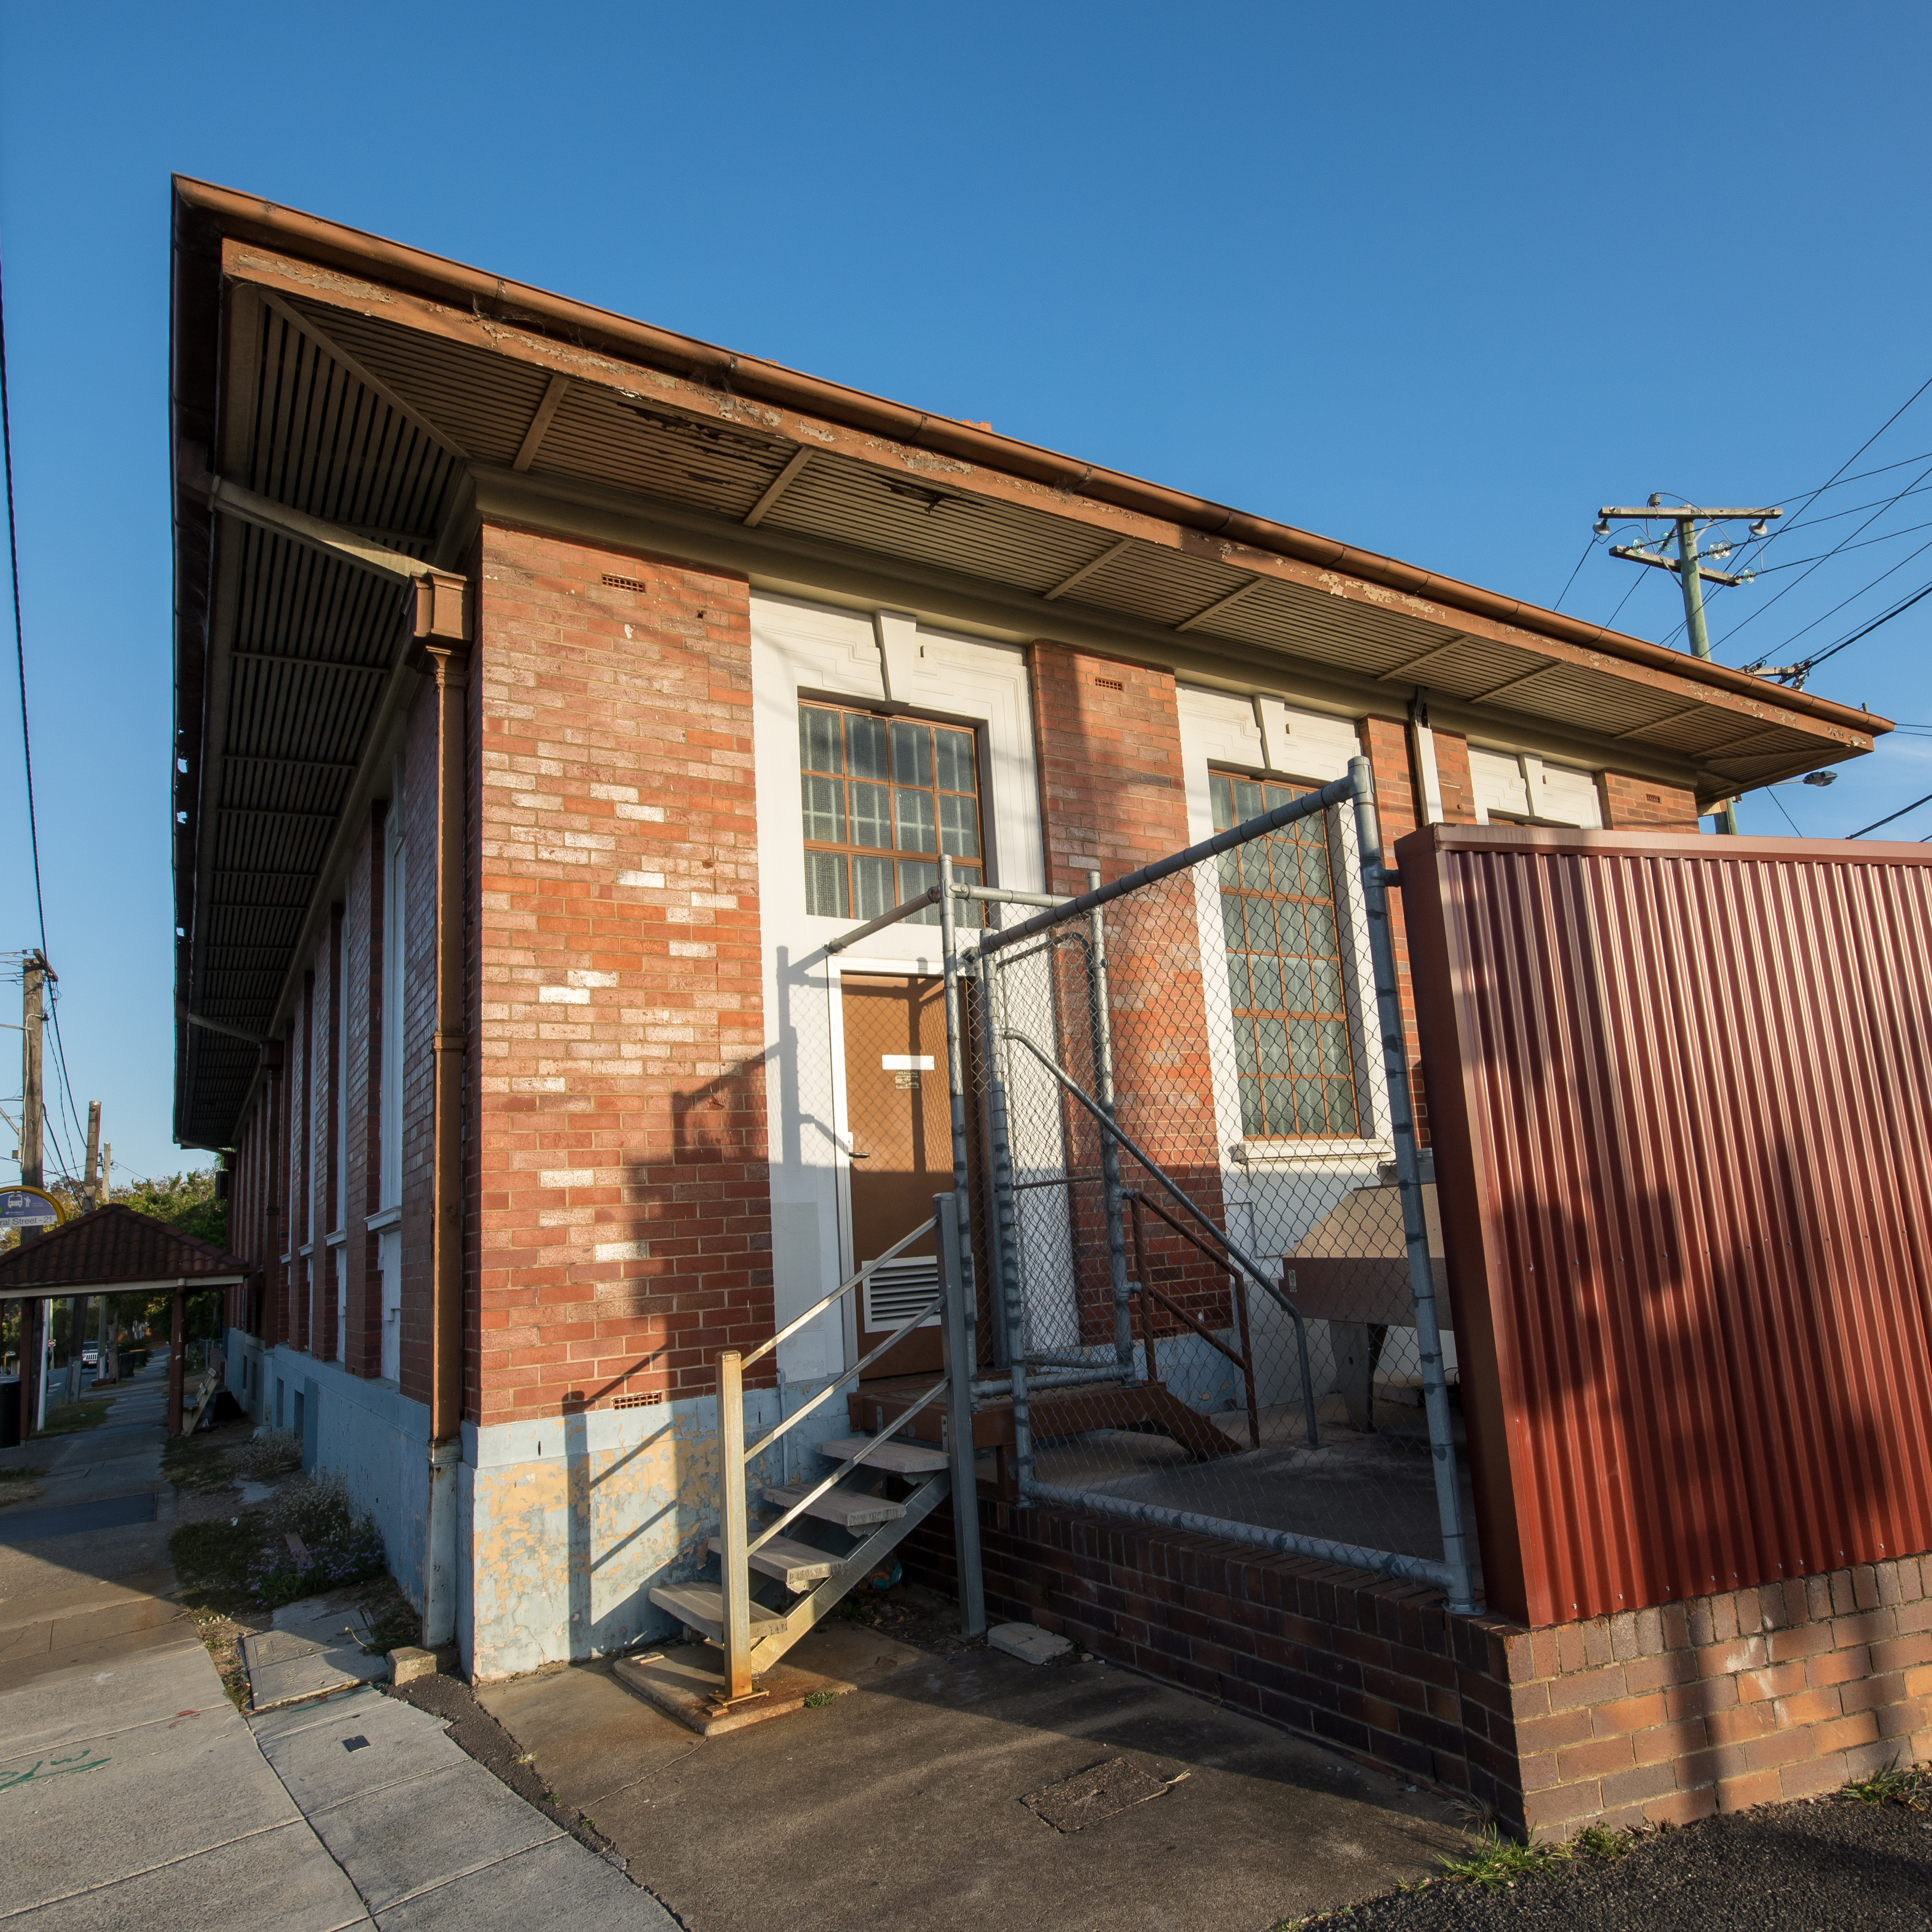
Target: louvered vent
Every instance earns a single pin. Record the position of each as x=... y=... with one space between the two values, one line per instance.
x=901 y=1289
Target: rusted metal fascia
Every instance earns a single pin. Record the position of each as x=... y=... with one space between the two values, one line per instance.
x=471 y=291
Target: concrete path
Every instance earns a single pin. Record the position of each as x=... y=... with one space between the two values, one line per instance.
x=928 y=1798
x=133 y=1795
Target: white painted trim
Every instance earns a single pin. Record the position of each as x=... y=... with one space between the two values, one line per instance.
x=336 y=1240
x=384 y=1217
x=843 y=654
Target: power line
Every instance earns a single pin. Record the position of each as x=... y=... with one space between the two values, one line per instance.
x=1580 y=562
x=1797 y=580
x=1899 y=814
x=19 y=637
x=1758 y=664
x=1910 y=530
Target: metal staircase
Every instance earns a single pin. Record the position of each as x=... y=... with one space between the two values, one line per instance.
x=843 y=1525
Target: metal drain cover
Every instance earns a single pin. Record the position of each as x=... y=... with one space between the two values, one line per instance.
x=1113 y=1784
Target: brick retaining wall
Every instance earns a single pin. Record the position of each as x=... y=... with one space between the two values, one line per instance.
x=1657 y=1715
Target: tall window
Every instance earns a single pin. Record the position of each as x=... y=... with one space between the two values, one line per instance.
x=1285 y=975
x=883 y=798
x=389 y=1112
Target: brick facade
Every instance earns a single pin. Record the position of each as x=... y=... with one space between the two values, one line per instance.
x=622 y=1231
x=1457 y=782
x=1386 y=744
x=1647 y=805
x=1113 y=797
x=1650 y=1717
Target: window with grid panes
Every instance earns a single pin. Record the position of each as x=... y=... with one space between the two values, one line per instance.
x=1294 y=1059
x=884 y=797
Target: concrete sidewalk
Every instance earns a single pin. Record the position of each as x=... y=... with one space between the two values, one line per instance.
x=133 y=1795
x=973 y=1790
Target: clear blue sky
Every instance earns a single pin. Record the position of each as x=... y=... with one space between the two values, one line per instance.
x=1435 y=280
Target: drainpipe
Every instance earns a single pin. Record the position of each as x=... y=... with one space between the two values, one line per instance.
x=442 y=637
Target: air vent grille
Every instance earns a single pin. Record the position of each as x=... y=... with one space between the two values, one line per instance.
x=901 y=1289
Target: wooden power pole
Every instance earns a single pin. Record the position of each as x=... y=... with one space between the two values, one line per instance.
x=1692 y=575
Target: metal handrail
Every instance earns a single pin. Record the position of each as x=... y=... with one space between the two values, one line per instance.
x=1306 y=806
x=892 y=1341
x=1108 y=1126
x=819 y=1306
x=844 y=1470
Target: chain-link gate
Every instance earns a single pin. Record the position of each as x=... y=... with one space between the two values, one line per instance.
x=1195 y=1237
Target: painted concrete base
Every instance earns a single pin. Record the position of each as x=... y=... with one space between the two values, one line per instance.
x=684 y=1681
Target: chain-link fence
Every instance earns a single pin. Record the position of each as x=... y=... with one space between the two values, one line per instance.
x=1189 y=1220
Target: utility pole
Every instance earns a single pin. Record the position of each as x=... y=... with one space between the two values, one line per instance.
x=89 y=1201
x=108 y=1366
x=1691 y=575
x=34 y=1392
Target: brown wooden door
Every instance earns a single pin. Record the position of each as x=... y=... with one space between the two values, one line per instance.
x=899 y=1121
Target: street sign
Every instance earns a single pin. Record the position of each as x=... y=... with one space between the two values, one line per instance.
x=29 y=1207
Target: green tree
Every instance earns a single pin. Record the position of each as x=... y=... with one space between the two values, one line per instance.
x=183 y=1201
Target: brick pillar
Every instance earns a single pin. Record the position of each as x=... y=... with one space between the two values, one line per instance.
x=1113 y=798
x=622 y=1213
x=1646 y=805
x=1385 y=743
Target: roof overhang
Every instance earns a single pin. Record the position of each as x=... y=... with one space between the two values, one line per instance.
x=345 y=409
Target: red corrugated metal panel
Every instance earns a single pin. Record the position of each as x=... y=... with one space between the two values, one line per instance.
x=1681 y=1096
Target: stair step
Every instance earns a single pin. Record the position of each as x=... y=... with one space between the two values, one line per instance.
x=902 y=1459
x=846 y=1507
x=702 y=1607
x=795 y=1565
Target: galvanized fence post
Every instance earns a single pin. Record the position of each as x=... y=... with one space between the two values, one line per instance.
x=1409 y=1176
x=1006 y=1213
x=1110 y=1153
x=955 y=1079
x=736 y=1568
x=957 y=1337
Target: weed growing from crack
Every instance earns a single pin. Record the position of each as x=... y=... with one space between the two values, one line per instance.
x=1497 y=1862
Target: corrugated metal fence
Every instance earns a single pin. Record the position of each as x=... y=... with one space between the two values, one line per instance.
x=1681 y=1093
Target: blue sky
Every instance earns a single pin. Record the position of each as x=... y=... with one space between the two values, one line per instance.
x=1438 y=281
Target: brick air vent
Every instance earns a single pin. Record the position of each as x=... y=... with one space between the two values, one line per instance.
x=1110 y=684
x=638 y=1401
x=624 y=583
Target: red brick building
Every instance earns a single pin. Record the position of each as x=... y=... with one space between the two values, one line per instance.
x=532 y=663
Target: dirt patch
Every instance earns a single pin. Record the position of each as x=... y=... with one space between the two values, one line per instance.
x=20 y=1484
x=913 y=1615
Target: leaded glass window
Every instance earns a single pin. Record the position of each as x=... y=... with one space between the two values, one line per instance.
x=883 y=798
x=1294 y=1059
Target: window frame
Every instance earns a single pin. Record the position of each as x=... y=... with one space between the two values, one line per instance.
x=1264 y=1138
x=978 y=866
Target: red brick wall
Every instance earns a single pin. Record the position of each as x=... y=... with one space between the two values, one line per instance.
x=617 y=1093
x=361 y=960
x=1386 y=744
x=1630 y=804
x=1651 y=1716
x=419 y=806
x=1112 y=787
x=1113 y=798
x=1453 y=776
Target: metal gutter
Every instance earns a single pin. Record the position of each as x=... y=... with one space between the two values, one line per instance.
x=472 y=290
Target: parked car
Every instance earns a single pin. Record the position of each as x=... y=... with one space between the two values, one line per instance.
x=90 y=1358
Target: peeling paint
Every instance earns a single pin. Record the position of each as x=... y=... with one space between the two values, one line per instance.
x=572 y=1520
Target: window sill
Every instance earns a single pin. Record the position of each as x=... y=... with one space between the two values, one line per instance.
x=306 y=1248
x=384 y=1217
x=1295 y=1153
x=336 y=1240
